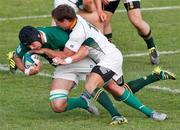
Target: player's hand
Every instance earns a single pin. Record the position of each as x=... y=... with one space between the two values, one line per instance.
x=58 y=61
x=34 y=69
x=102 y=16
x=105 y=2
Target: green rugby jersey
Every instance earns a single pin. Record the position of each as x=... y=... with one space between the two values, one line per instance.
x=55 y=39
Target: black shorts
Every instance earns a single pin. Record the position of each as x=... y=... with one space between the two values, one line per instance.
x=120 y=81
x=105 y=73
x=112 y=6
x=132 y=5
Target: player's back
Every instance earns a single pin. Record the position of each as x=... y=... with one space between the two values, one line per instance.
x=55 y=37
x=91 y=32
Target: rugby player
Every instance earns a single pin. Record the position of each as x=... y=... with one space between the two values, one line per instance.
x=86 y=8
x=135 y=17
x=63 y=75
x=108 y=58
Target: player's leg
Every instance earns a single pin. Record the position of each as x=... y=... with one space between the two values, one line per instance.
x=157 y=75
x=144 y=30
x=97 y=78
x=109 y=10
x=92 y=17
x=59 y=99
x=89 y=6
x=89 y=12
x=107 y=26
x=59 y=95
x=122 y=94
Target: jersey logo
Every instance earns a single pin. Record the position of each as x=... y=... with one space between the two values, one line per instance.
x=18 y=49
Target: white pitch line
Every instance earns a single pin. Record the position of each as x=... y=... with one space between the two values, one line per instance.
x=117 y=11
x=140 y=54
x=3 y=67
x=144 y=54
x=154 y=8
x=165 y=89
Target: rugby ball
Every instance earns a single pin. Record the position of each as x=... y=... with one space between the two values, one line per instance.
x=30 y=60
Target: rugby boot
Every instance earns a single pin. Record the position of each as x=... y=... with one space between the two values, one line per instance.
x=158 y=116
x=163 y=74
x=154 y=55
x=118 y=120
x=91 y=107
x=11 y=63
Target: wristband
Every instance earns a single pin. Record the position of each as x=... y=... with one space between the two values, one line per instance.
x=27 y=71
x=68 y=60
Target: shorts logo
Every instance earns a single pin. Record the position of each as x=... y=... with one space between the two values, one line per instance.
x=72 y=46
x=104 y=70
x=91 y=66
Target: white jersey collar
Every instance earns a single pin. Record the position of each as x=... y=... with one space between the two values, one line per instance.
x=44 y=36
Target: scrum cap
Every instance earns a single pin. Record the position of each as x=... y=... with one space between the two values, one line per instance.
x=29 y=34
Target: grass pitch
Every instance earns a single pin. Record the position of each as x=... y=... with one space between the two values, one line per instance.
x=24 y=100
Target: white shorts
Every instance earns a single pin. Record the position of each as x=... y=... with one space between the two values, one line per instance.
x=71 y=3
x=75 y=71
x=114 y=62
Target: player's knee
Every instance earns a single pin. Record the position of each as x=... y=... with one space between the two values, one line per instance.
x=58 y=98
x=59 y=106
x=136 y=22
x=115 y=90
x=90 y=87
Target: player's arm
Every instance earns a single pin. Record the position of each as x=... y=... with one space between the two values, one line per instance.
x=74 y=48
x=53 y=53
x=101 y=13
x=65 y=54
x=81 y=54
x=30 y=71
x=19 y=63
x=88 y=5
x=50 y=53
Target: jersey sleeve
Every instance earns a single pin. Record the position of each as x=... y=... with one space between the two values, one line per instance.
x=76 y=39
x=21 y=50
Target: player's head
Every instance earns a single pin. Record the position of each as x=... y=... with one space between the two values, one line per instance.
x=28 y=35
x=63 y=15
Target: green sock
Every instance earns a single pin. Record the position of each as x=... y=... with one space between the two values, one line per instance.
x=73 y=103
x=128 y=98
x=149 y=42
x=138 y=84
x=148 y=39
x=105 y=101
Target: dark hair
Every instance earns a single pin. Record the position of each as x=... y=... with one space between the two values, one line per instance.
x=62 y=12
x=29 y=34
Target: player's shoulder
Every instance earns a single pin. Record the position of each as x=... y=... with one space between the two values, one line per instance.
x=50 y=28
x=21 y=49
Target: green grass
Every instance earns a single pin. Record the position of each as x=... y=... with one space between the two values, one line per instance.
x=24 y=100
